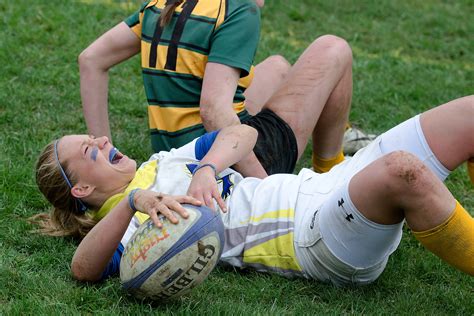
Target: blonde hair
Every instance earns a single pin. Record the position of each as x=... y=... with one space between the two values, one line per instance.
x=64 y=219
x=168 y=11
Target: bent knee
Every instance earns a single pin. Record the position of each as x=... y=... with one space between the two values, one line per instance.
x=84 y=57
x=87 y=59
x=338 y=46
x=405 y=170
x=278 y=64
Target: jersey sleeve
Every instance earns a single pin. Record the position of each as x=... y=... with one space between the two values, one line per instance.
x=204 y=143
x=198 y=148
x=134 y=20
x=234 y=42
x=113 y=267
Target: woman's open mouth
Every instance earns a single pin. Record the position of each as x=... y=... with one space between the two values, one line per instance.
x=115 y=156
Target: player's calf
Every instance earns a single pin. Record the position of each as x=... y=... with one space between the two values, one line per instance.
x=438 y=221
x=416 y=191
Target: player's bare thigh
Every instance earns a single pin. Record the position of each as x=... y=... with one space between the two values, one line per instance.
x=449 y=131
x=309 y=84
x=268 y=76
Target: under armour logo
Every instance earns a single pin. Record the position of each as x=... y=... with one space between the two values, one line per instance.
x=340 y=203
x=312 y=220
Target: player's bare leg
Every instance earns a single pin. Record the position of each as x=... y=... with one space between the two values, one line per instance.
x=449 y=131
x=399 y=185
x=329 y=131
x=268 y=76
x=320 y=81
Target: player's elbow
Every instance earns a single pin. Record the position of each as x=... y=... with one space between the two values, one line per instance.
x=208 y=112
x=205 y=111
x=249 y=133
x=81 y=273
x=217 y=113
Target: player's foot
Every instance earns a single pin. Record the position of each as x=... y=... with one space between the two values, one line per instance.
x=355 y=139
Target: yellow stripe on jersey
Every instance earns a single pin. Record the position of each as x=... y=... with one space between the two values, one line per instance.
x=187 y=62
x=152 y=3
x=173 y=119
x=137 y=30
x=144 y=178
x=239 y=107
x=222 y=11
x=288 y=213
x=245 y=82
x=265 y=253
x=205 y=8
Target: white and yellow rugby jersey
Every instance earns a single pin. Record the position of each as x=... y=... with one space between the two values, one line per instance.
x=259 y=224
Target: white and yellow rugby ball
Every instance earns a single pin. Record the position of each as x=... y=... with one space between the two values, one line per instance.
x=166 y=263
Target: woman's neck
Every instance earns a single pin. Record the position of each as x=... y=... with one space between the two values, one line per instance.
x=98 y=198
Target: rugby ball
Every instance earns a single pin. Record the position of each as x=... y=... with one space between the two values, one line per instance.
x=165 y=263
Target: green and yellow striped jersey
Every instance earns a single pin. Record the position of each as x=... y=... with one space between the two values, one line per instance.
x=174 y=58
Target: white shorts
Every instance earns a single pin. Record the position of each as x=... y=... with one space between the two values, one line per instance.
x=334 y=242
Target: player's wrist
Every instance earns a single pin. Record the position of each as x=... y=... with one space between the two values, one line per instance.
x=132 y=199
x=209 y=167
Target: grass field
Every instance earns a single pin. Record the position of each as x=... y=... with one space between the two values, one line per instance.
x=408 y=56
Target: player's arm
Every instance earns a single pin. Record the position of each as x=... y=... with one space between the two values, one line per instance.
x=220 y=83
x=234 y=43
x=93 y=256
x=217 y=95
x=113 y=47
x=231 y=145
x=98 y=246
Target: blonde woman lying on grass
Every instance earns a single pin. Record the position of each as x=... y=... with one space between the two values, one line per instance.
x=339 y=227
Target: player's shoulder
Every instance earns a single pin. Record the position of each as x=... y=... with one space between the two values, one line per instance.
x=241 y=7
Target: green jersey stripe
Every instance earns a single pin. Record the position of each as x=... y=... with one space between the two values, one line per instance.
x=191 y=47
x=153 y=72
x=177 y=133
x=176 y=88
x=239 y=98
x=172 y=103
x=183 y=104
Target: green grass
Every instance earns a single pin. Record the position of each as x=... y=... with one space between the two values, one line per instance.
x=408 y=56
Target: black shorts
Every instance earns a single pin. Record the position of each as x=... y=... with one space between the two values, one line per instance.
x=276 y=148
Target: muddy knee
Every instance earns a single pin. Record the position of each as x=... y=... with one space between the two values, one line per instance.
x=406 y=173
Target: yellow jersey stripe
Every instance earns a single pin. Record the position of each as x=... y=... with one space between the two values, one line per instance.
x=173 y=119
x=206 y=8
x=288 y=213
x=264 y=253
x=185 y=63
